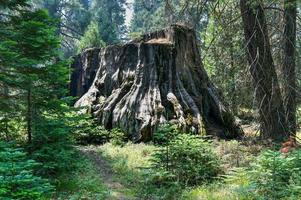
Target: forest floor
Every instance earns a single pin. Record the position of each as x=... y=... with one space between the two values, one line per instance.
x=117 y=191
x=117 y=172
x=112 y=172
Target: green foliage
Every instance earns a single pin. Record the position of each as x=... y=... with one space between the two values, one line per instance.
x=159 y=184
x=189 y=159
x=33 y=78
x=148 y=16
x=88 y=131
x=165 y=133
x=17 y=178
x=216 y=191
x=224 y=56
x=118 y=137
x=277 y=176
x=35 y=81
x=128 y=162
x=91 y=38
x=110 y=16
x=82 y=182
x=234 y=154
x=74 y=20
x=52 y=146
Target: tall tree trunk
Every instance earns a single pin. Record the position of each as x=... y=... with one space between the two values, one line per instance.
x=29 y=117
x=288 y=68
x=271 y=110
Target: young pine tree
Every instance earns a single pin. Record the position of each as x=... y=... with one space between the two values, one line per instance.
x=35 y=82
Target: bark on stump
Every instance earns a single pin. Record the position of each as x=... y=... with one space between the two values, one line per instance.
x=156 y=79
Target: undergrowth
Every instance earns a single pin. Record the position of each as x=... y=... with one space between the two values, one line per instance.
x=84 y=182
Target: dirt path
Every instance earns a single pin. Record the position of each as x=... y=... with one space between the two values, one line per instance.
x=117 y=190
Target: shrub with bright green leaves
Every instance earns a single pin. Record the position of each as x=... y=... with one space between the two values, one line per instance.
x=117 y=137
x=165 y=133
x=17 y=179
x=186 y=160
x=189 y=159
x=88 y=131
x=159 y=184
x=277 y=176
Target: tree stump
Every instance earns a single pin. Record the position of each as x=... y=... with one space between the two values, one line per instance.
x=158 y=78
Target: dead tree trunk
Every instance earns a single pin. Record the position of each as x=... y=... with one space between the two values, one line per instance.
x=262 y=68
x=289 y=66
x=156 y=79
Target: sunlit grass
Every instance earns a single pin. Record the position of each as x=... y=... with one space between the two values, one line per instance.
x=128 y=157
x=212 y=192
x=127 y=161
x=233 y=186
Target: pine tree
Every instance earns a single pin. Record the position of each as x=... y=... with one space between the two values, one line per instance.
x=34 y=81
x=91 y=38
x=110 y=16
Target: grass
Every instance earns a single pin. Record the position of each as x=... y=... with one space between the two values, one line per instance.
x=234 y=186
x=81 y=184
x=234 y=154
x=128 y=160
x=212 y=192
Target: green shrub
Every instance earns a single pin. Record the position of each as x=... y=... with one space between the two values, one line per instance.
x=117 y=137
x=189 y=159
x=277 y=176
x=158 y=184
x=17 y=179
x=52 y=146
x=165 y=133
x=88 y=131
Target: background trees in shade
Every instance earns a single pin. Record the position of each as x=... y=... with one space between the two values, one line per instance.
x=75 y=17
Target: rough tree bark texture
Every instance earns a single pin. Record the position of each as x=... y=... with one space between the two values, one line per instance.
x=84 y=68
x=156 y=79
x=289 y=66
x=262 y=68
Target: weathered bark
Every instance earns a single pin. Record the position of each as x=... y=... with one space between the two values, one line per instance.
x=157 y=79
x=84 y=69
x=262 y=68
x=289 y=66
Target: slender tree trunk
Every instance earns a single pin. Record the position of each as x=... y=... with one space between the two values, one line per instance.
x=288 y=68
x=268 y=96
x=29 y=117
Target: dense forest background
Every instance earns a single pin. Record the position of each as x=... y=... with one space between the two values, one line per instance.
x=251 y=51
x=218 y=24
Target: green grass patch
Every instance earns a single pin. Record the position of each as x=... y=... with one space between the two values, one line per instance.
x=82 y=183
x=127 y=162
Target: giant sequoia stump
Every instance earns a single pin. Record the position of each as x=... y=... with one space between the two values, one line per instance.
x=156 y=79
